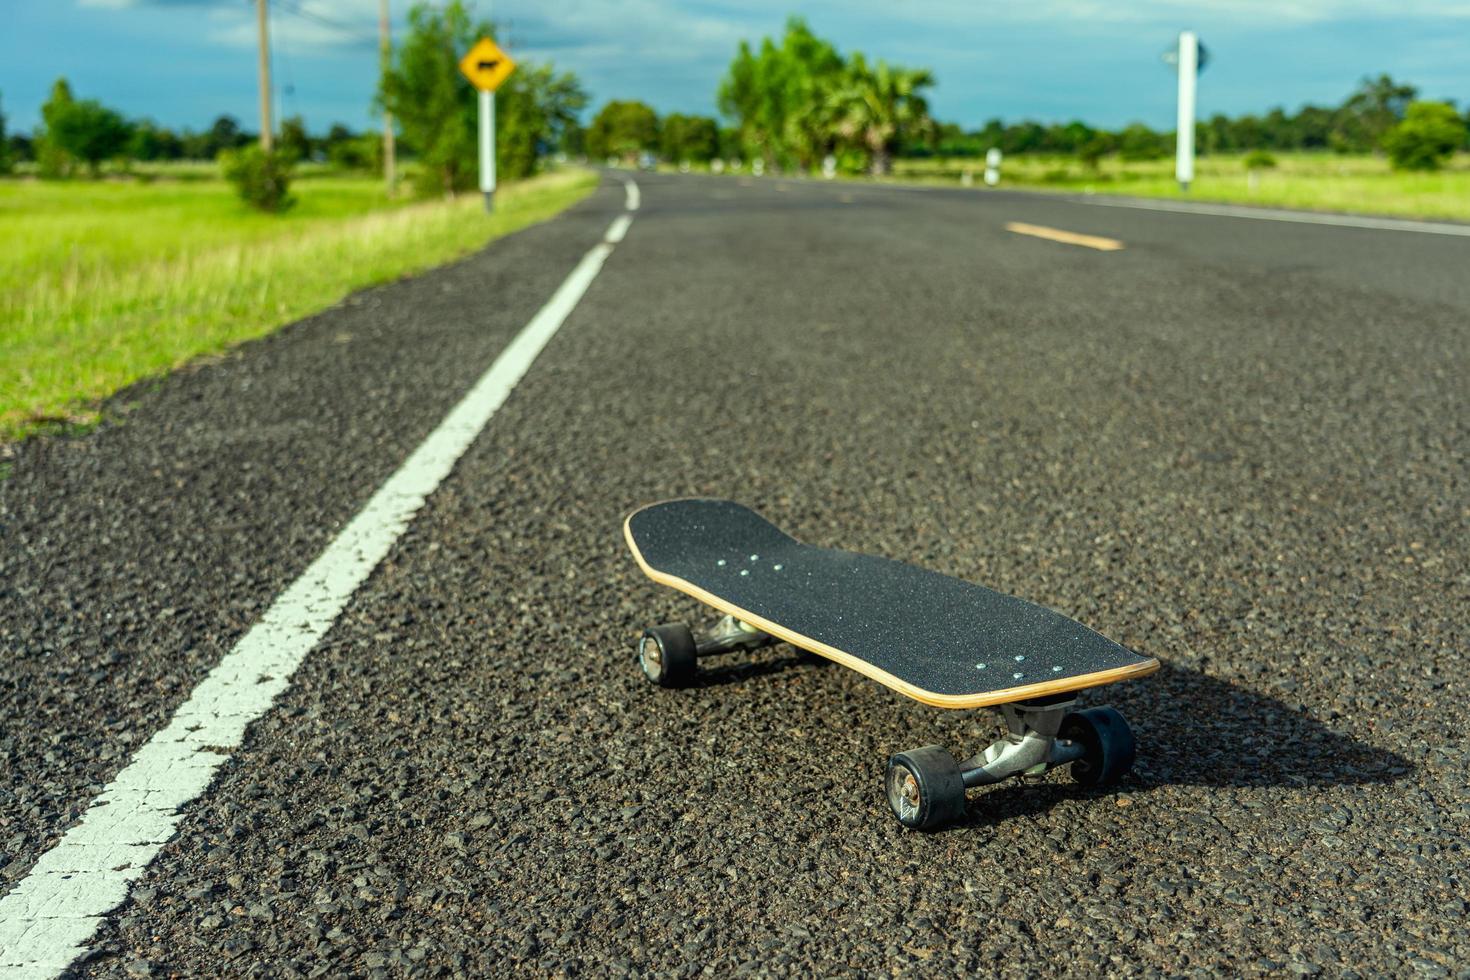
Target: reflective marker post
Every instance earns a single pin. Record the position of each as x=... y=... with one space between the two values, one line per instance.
x=1184 y=140
x=487 y=147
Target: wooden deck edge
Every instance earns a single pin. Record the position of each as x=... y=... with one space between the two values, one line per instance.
x=984 y=699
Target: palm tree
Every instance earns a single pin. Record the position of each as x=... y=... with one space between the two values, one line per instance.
x=875 y=108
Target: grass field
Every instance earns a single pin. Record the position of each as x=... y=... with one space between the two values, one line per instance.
x=1313 y=181
x=105 y=283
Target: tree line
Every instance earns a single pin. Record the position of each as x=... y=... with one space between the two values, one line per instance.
x=77 y=136
x=796 y=100
x=1360 y=124
x=537 y=113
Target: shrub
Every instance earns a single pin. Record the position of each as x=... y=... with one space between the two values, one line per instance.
x=263 y=179
x=1097 y=146
x=52 y=162
x=1430 y=133
x=1259 y=160
x=363 y=152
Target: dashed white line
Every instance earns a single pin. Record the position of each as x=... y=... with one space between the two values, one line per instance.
x=47 y=920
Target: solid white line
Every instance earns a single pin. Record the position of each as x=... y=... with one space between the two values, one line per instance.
x=618 y=229
x=1276 y=214
x=633 y=197
x=49 y=917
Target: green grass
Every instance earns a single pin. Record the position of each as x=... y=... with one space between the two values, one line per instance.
x=105 y=283
x=1311 y=181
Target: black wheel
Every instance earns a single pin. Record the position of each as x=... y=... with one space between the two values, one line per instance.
x=925 y=788
x=667 y=654
x=1107 y=744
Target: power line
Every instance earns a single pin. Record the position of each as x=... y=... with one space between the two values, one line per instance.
x=346 y=30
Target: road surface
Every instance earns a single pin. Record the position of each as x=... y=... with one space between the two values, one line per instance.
x=1239 y=446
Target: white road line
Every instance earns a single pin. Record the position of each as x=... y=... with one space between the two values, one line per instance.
x=1276 y=214
x=47 y=920
x=618 y=229
x=634 y=198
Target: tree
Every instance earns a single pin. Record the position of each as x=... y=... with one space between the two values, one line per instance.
x=439 y=111
x=150 y=141
x=54 y=162
x=536 y=108
x=87 y=131
x=1097 y=146
x=874 y=109
x=22 y=148
x=1430 y=133
x=429 y=98
x=694 y=138
x=1138 y=142
x=223 y=134
x=1372 y=110
x=361 y=152
x=6 y=165
x=347 y=150
x=293 y=141
x=780 y=96
x=573 y=140
x=623 y=129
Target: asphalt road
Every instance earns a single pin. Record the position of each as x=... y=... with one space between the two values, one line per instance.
x=1239 y=446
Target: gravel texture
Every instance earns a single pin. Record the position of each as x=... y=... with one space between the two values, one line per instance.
x=1237 y=446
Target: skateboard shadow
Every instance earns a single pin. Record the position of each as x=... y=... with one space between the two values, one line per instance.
x=1192 y=730
x=1196 y=730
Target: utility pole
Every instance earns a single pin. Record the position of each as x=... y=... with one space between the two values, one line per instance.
x=385 y=44
x=266 y=141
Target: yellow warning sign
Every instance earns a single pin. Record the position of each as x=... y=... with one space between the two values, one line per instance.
x=486 y=66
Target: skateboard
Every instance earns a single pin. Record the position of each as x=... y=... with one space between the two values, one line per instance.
x=933 y=638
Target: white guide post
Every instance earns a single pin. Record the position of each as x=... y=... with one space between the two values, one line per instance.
x=992 y=166
x=1188 y=74
x=487 y=147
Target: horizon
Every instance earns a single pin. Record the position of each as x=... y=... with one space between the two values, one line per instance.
x=1054 y=62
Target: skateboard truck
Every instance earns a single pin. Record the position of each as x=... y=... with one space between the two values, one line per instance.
x=668 y=653
x=926 y=787
x=1030 y=746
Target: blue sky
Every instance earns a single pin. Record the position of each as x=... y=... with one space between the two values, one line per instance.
x=182 y=62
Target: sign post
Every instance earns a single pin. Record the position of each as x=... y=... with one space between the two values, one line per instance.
x=487 y=147
x=487 y=67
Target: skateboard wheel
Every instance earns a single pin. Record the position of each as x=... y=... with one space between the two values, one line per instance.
x=1108 y=747
x=925 y=788
x=667 y=654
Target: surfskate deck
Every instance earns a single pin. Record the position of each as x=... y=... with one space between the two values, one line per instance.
x=936 y=639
